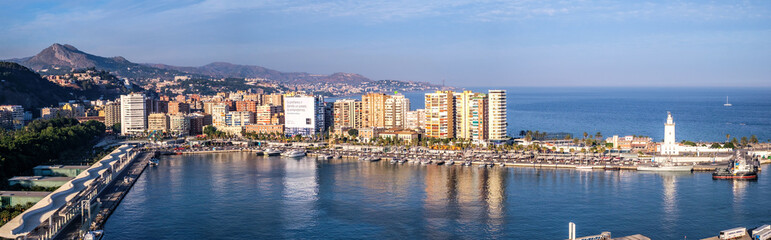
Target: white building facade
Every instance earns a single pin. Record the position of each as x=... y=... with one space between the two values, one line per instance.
x=133 y=115
x=497 y=115
x=303 y=115
x=396 y=108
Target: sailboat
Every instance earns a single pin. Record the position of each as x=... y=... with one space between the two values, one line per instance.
x=726 y=102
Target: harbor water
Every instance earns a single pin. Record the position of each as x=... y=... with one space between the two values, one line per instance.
x=245 y=196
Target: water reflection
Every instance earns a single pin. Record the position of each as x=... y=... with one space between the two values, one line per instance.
x=299 y=195
x=739 y=190
x=464 y=200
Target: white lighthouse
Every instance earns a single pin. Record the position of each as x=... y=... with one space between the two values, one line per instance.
x=670 y=145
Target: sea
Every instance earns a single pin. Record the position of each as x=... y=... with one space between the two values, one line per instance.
x=698 y=113
x=245 y=196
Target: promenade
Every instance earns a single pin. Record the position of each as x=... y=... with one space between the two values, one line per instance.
x=108 y=199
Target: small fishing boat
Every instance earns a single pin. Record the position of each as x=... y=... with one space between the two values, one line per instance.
x=153 y=162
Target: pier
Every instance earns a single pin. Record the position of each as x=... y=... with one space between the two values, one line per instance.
x=108 y=199
x=50 y=216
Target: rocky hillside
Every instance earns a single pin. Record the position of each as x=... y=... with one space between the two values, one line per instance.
x=21 y=86
x=59 y=59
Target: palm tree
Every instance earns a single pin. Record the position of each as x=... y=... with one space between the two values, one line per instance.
x=728 y=137
x=585 y=134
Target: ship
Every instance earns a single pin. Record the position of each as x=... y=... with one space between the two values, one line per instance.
x=742 y=167
x=666 y=165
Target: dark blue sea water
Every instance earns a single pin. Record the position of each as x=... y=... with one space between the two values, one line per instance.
x=698 y=112
x=243 y=196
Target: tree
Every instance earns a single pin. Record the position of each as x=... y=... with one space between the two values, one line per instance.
x=729 y=145
x=744 y=141
x=116 y=128
x=753 y=139
x=353 y=132
x=598 y=135
x=715 y=145
x=728 y=137
x=586 y=134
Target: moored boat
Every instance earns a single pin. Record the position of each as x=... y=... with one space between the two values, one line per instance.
x=739 y=168
x=294 y=153
x=666 y=166
x=271 y=152
x=153 y=162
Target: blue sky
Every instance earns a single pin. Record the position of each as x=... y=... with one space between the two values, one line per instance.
x=466 y=43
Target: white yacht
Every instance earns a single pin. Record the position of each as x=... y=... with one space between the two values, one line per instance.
x=271 y=152
x=294 y=153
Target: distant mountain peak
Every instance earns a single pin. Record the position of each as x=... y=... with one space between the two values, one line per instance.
x=63 y=47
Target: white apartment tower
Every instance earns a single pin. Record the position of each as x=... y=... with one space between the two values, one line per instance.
x=497 y=115
x=670 y=146
x=396 y=108
x=463 y=128
x=133 y=115
x=219 y=112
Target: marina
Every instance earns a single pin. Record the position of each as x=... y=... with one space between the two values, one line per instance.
x=423 y=201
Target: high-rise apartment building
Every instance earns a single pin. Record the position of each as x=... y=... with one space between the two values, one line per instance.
x=347 y=114
x=246 y=106
x=396 y=108
x=176 y=107
x=415 y=119
x=304 y=115
x=373 y=109
x=440 y=115
x=478 y=108
x=269 y=115
x=462 y=113
x=218 y=113
x=179 y=124
x=273 y=99
x=497 y=115
x=133 y=115
x=111 y=114
x=239 y=118
x=158 y=122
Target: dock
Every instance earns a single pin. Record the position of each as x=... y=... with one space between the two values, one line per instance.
x=108 y=200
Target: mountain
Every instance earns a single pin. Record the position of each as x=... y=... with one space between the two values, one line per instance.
x=224 y=70
x=21 y=86
x=58 y=59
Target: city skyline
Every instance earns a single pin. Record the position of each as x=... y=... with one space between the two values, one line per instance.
x=519 y=43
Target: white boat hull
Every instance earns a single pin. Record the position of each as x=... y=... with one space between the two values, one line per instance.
x=666 y=168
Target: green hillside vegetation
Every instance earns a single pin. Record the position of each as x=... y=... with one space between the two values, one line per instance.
x=43 y=142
